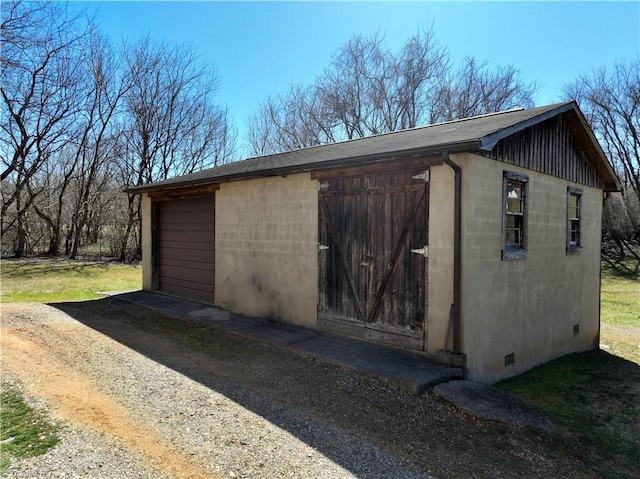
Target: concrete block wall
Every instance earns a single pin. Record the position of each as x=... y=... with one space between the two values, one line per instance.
x=440 y=266
x=526 y=307
x=266 y=248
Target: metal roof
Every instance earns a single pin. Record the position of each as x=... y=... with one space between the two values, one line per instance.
x=469 y=134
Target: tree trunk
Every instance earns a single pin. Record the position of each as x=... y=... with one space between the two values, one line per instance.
x=21 y=232
x=54 y=241
x=78 y=227
x=21 y=239
x=122 y=257
x=69 y=240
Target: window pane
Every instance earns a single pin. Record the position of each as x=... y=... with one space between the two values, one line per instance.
x=514 y=197
x=514 y=230
x=575 y=232
x=514 y=189
x=573 y=213
x=573 y=201
x=515 y=208
x=514 y=205
x=574 y=219
x=513 y=237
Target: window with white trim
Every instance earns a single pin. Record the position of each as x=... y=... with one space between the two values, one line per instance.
x=514 y=234
x=574 y=215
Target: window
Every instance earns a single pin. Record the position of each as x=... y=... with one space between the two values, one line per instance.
x=574 y=211
x=514 y=241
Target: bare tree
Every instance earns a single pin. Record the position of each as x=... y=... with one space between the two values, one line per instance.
x=406 y=91
x=346 y=88
x=262 y=136
x=291 y=121
x=172 y=124
x=96 y=149
x=475 y=89
x=79 y=119
x=367 y=90
x=40 y=97
x=610 y=100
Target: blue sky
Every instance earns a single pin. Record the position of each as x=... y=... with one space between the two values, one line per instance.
x=259 y=48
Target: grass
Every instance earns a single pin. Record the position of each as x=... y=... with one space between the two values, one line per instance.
x=593 y=398
x=48 y=281
x=24 y=432
x=620 y=311
x=620 y=298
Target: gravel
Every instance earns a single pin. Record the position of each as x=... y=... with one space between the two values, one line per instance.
x=141 y=395
x=216 y=430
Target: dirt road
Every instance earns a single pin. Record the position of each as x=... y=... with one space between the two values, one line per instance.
x=35 y=344
x=183 y=401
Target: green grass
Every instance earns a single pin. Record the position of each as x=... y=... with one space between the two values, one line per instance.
x=49 y=281
x=620 y=299
x=24 y=432
x=593 y=398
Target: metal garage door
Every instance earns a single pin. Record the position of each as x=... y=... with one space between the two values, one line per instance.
x=185 y=246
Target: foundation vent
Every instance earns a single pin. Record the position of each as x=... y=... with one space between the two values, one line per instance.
x=509 y=359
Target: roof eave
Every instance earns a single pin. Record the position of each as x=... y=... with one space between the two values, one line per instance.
x=467 y=145
x=161 y=186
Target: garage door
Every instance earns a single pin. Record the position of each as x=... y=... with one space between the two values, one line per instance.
x=185 y=246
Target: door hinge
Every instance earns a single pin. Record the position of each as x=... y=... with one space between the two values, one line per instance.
x=322 y=247
x=323 y=186
x=424 y=251
x=424 y=176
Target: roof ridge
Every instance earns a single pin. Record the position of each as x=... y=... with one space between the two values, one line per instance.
x=415 y=128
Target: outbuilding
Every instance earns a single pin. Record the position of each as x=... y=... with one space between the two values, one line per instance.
x=474 y=241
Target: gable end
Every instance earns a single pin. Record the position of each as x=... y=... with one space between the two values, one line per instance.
x=548 y=147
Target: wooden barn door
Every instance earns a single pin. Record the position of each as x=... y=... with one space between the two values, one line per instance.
x=372 y=257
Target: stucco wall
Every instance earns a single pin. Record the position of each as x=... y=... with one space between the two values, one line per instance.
x=525 y=307
x=266 y=248
x=440 y=269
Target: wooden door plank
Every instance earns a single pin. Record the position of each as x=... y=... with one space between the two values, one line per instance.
x=400 y=245
x=335 y=237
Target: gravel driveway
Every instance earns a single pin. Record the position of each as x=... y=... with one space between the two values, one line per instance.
x=145 y=396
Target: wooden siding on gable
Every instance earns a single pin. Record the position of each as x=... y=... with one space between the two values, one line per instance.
x=548 y=147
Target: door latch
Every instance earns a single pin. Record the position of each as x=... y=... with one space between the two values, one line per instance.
x=424 y=251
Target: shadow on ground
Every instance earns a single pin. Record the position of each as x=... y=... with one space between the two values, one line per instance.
x=426 y=434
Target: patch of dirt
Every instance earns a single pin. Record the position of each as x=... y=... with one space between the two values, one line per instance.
x=74 y=398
